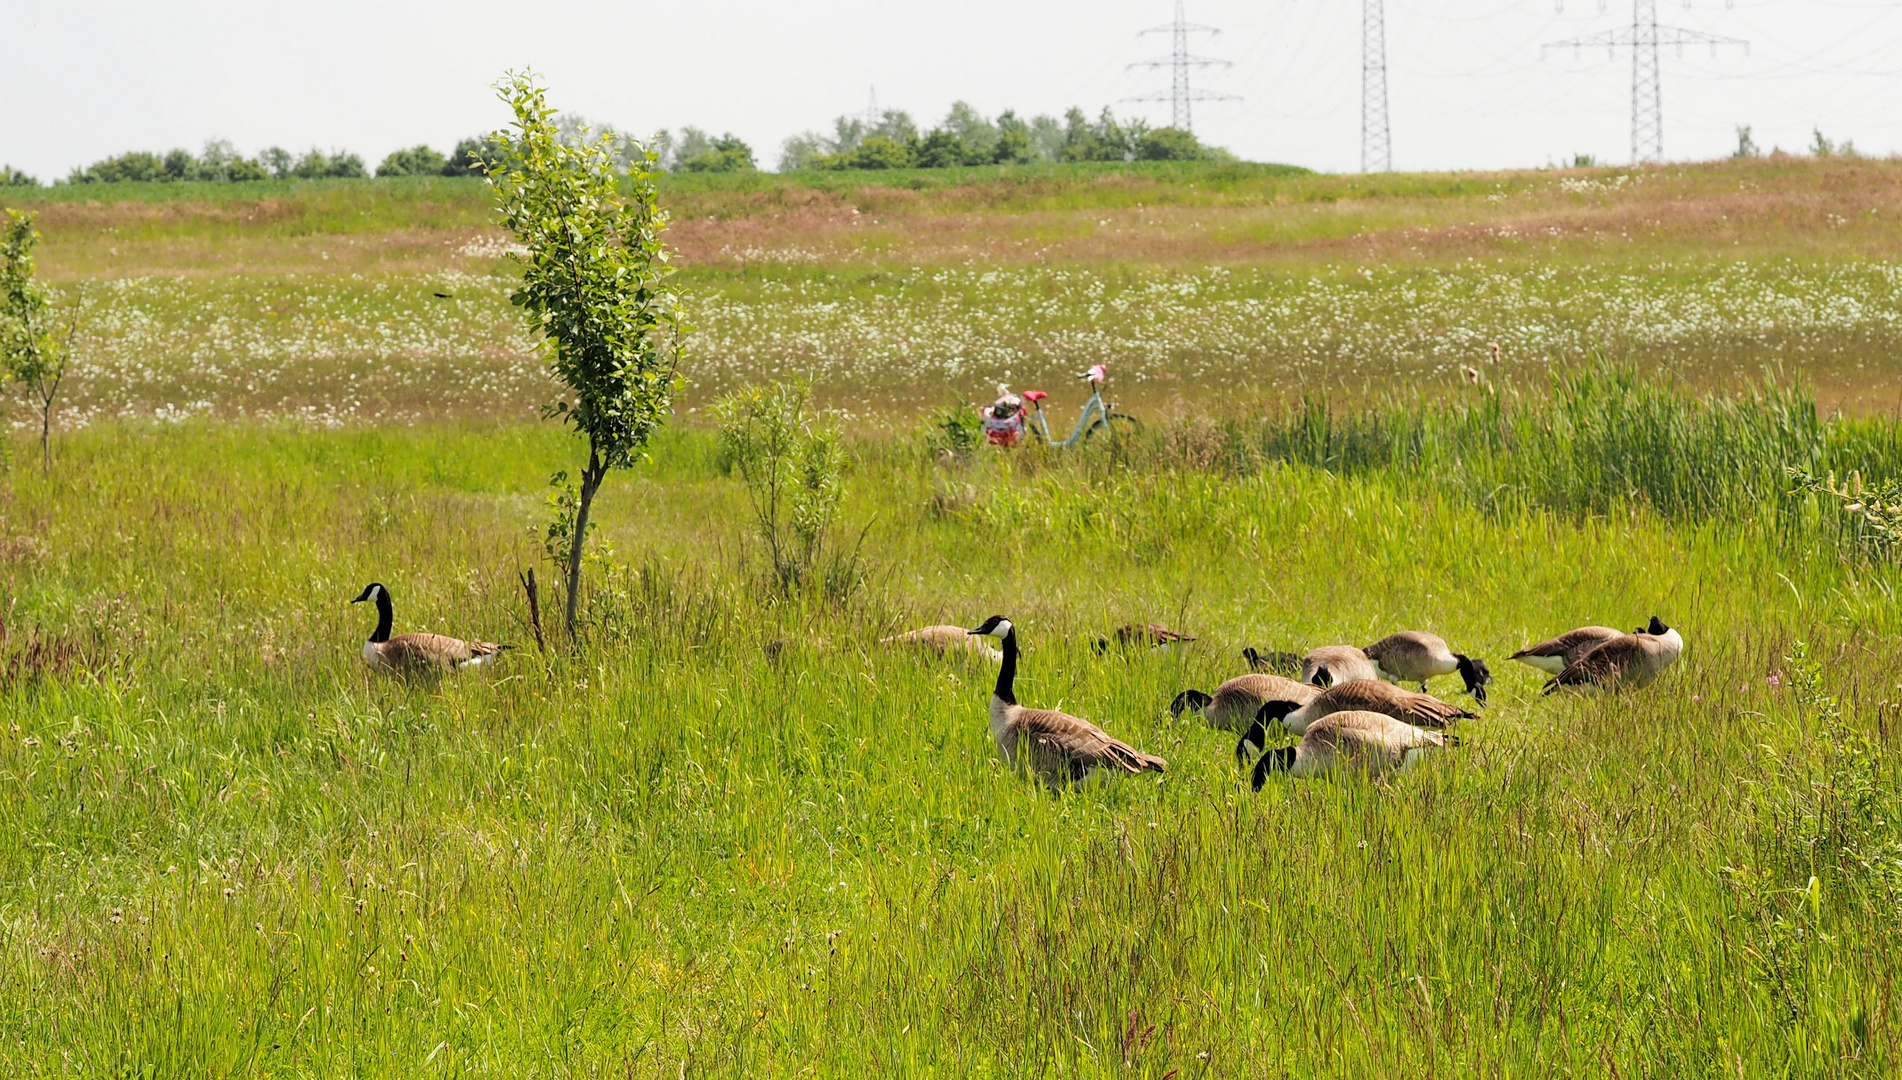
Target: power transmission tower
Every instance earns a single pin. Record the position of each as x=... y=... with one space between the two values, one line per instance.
x=871 y=111
x=1643 y=38
x=1376 y=148
x=1180 y=94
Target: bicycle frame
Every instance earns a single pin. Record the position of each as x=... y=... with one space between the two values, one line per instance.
x=1094 y=410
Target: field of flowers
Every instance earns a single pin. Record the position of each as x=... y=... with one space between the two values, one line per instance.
x=1198 y=296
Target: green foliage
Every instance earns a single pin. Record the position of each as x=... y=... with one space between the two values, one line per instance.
x=966 y=137
x=793 y=463
x=32 y=348
x=1171 y=144
x=415 y=161
x=954 y=432
x=218 y=162
x=12 y=177
x=594 y=289
x=1746 y=144
x=470 y=154
x=728 y=153
x=336 y=165
x=1107 y=139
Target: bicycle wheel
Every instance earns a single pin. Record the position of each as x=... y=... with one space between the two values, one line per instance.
x=1116 y=424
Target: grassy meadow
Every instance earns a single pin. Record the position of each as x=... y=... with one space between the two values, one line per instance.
x=727 y=833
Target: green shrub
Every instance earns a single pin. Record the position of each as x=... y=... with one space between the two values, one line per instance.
x=415 y=161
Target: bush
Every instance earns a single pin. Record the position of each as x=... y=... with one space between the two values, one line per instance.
x=728 y=153
x=317 y=165
x=1169 y=144
x=793 y=463
x=12 y=177
x=415 y=161
x=468 y=156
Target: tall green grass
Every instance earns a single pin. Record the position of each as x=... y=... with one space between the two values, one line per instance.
x=1601 y=438
x=227 y=850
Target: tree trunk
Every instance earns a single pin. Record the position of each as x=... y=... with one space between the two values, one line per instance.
x=590 y=483
x=46 y=441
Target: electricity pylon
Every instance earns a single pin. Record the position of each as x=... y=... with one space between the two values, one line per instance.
x=1376 y=148
x=1180 y=94
x=1643 y=38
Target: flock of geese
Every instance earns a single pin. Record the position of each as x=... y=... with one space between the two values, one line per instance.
x=1347 y=708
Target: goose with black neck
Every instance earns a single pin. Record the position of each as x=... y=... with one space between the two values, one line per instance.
x=413 y=653
x=1054 y=746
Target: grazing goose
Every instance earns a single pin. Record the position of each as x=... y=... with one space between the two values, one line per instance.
x=944 y=640
x=1338 y=663
x=1360 y=695
x=1554 y=655
x=1282 y=663
x=407 y=653
x=1057 y=747
x=1415 y=656
x=1235 y=702
x=1143 y=636
x=1373 y=743
x=1627 y=661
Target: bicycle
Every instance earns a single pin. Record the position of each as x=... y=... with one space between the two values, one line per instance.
x=1098 y=415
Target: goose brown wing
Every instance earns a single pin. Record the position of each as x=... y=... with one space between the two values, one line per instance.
x=1424 y=710
x=416 y=651
x=1374 y=740
x=1260 y=688
x=1572 y=643
x=1148 y=634
x=1605 y=663
x=1058 y=742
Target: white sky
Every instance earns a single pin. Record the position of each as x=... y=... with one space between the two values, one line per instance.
x=1468 y=86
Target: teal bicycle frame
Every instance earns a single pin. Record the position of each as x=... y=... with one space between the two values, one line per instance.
x=1097 y=415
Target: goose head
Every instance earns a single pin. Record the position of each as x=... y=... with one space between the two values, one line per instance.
x=996 y=626
x=371 y=592
x=1189 y=699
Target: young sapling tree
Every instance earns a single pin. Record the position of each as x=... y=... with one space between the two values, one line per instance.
x=594 y=288
x=34 y=349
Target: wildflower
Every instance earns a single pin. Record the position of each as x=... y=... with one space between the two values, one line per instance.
x=1775 y=679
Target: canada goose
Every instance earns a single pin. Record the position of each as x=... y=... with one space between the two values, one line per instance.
x=1284 y=663
x=407 y=653
x=1554 y=655
x=1236 y=701
x=1360 y=695
x=1143 y=636
x=944 y=640
x=1057 y=747
x=1416 y=656
x=1337 y=664
x=1627 y=661
x=1373 y=742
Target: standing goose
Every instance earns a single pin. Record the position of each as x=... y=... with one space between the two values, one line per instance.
x=409 y=653
x=1236 y=701
x=1554 y=655
x=1338 y=664
x=1415 y=656
x=1143 y=636
x=1373 y=743
x=1360 y=695
x=1627 y=661
x=1057 y=747
x=944 y=640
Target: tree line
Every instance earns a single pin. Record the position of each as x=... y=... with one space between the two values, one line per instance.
x=891 y=141
x=967 y=137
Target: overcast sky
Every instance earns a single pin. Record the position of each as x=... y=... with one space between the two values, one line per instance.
x=1469 y=86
